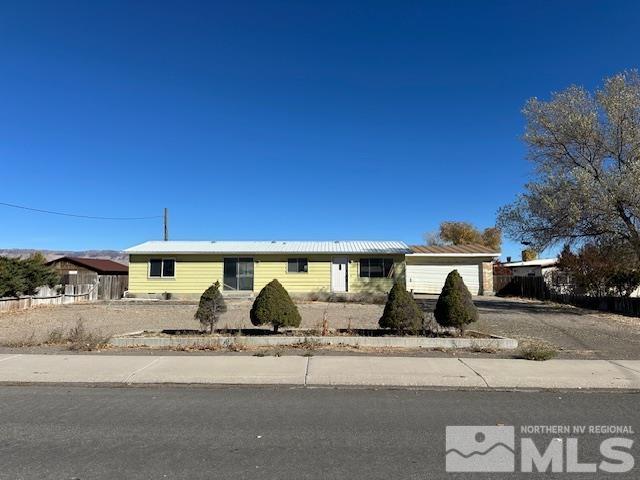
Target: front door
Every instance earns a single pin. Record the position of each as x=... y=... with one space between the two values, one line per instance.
x=339 y=274
x=238 y=273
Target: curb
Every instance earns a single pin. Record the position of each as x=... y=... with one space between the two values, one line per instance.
x=495 y=343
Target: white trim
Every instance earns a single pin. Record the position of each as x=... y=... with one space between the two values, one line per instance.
x=488 y=255
x=162 y=277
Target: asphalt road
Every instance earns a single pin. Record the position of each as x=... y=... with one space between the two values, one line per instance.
x=280 y=433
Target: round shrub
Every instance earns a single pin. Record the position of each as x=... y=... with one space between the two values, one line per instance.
x=455 y=306
x=210 y=307
x=401 y=312
x=274 y=305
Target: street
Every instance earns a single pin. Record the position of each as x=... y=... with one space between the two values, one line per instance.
x=190 y=432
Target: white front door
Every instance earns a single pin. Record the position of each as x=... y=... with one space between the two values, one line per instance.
x=339 y=274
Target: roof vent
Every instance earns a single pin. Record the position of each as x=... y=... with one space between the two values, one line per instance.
x=273 y=241
x=336 y=241
x=213 y=241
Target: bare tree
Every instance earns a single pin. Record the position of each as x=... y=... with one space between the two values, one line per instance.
x=586 y=151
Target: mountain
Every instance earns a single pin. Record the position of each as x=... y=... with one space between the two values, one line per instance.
x=114 y=255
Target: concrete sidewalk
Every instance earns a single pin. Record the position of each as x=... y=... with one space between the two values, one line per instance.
x=321 y=371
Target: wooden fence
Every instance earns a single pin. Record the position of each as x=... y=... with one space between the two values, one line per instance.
x=110 y=287
x=51 y=296
x=541 y=289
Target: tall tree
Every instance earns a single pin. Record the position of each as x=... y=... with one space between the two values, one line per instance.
x=586 y=152
x=24 y=277
x=600 y=269
x=464 y=233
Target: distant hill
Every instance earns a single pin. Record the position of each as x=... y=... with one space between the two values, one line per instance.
x=114 y=255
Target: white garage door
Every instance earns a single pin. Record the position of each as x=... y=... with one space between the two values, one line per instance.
x=430 y=278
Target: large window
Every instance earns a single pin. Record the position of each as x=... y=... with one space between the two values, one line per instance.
x=297 y=265
x=162 y=268
x=376 y=267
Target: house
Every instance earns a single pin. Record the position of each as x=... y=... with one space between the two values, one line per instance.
x=185 y=269
x=427 y=267
x=111 y=277
x=532 y=268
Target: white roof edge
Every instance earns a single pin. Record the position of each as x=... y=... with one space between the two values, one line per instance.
x=156 y=247
x=541 y=262
x=457 y=254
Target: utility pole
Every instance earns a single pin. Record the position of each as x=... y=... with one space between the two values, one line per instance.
x=166 y=224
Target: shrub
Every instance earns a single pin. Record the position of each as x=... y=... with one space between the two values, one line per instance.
x=12 y=281
x=274 y=305
x=538 y=351
x=79 y=339
x=401 y=312
x=24 y=277
x=210 y=307
x=455 y=306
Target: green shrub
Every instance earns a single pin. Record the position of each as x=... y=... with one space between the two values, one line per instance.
x=24 y=277
x=401 y=312
x=210 y=307
x=455 y=306
x=274 y=305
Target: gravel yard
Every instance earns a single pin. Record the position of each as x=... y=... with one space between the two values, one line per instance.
x=575 y=332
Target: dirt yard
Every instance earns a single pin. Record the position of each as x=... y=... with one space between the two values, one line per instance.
x=32 y=326
x=575 y=332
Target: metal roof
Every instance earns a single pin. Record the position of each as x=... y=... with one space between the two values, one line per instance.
x=275 y=246
x=470 y=249
x=99 y=265
x=540 y=262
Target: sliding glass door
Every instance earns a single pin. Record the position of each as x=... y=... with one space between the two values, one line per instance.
x=238 y=273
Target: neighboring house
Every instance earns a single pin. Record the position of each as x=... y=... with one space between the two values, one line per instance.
x=187 y=268
x=533 y=268
x=427 y=267
x=111 y=277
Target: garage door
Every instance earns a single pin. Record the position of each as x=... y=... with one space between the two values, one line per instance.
x=430 y=278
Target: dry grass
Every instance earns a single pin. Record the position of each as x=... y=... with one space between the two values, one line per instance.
x=478 y=349
x=538 y=351
x=77 y=338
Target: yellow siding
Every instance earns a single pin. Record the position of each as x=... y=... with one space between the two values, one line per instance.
x=358 y=284
x=318 y=278
x=194 y=273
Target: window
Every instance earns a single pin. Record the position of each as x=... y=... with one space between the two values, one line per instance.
x=298 y=265
x=162 y=267
x=376 y=267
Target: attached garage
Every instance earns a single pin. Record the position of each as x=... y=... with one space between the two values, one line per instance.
x=427 y=267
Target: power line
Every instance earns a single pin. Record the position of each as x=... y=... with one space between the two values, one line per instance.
x=92 y=217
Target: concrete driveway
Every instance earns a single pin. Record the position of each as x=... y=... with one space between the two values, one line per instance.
x=577 y=333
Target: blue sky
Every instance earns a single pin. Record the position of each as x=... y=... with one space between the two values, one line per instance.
x=288 y=120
